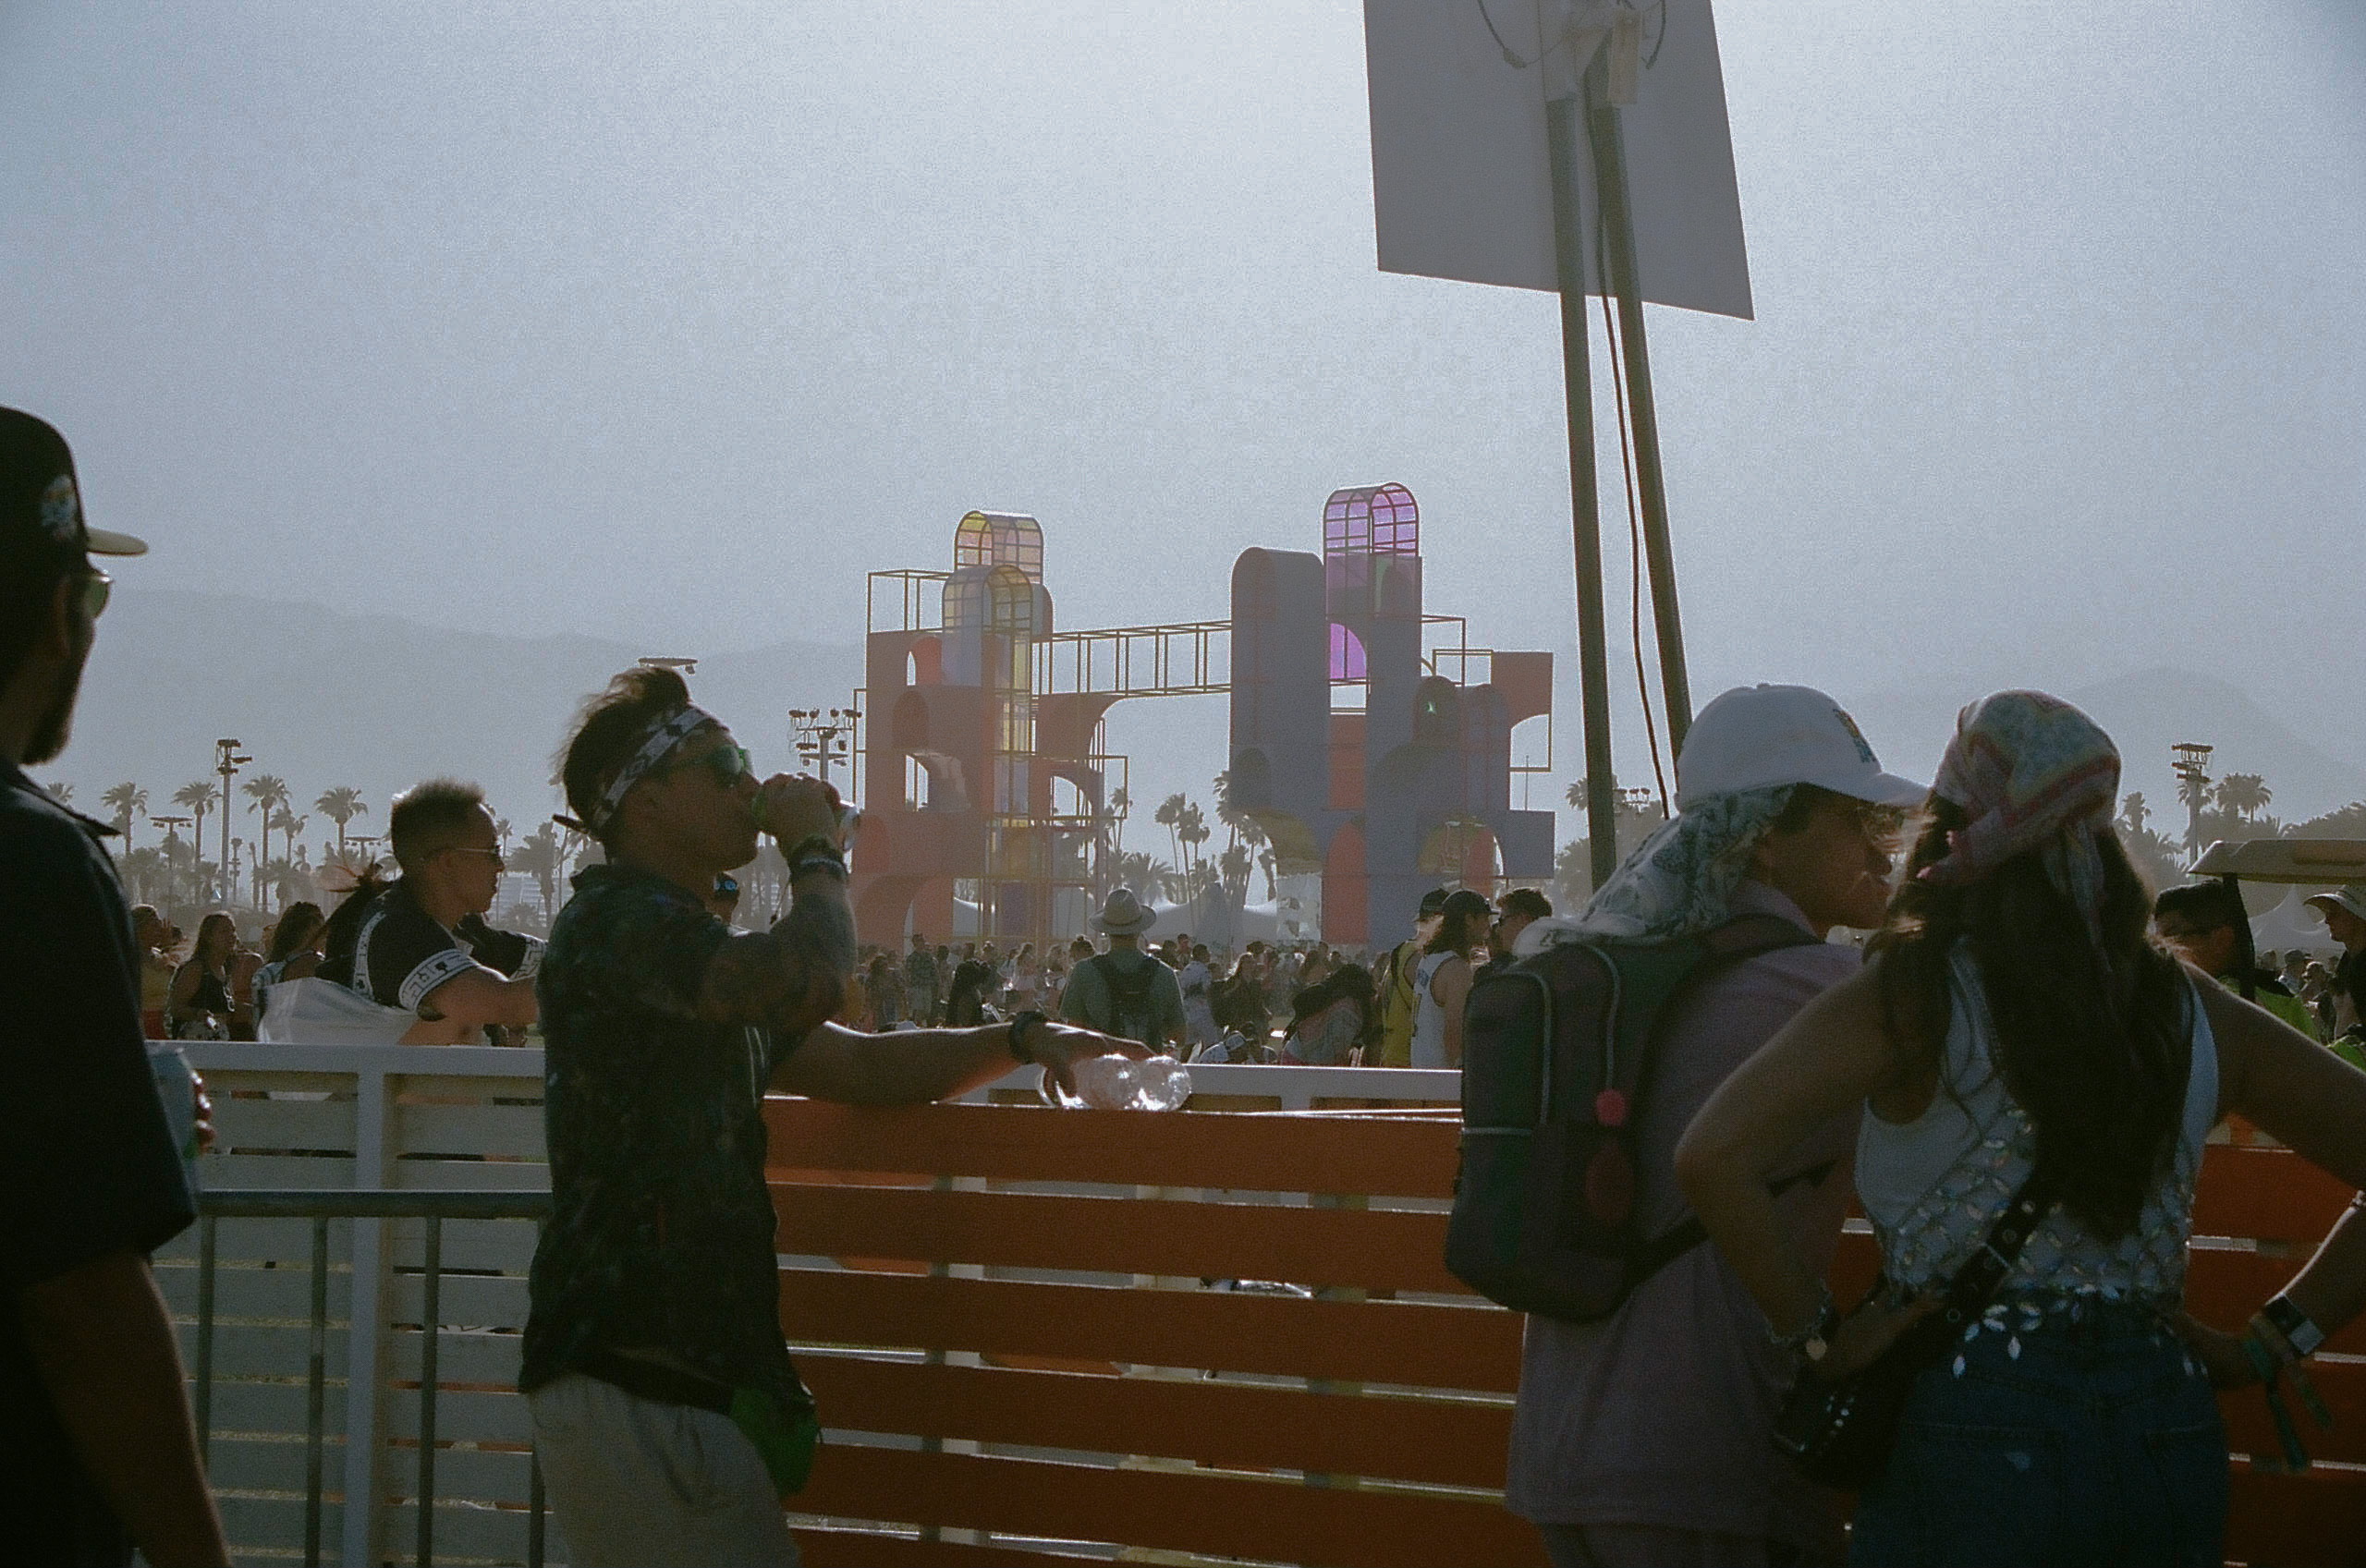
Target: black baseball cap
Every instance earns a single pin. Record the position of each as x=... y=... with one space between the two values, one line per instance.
x=1433 y=903
x=41 y=527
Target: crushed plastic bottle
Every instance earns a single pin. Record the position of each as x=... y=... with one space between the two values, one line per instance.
x=1120 y=1083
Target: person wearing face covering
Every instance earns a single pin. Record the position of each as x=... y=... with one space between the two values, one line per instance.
x=1645 y=1438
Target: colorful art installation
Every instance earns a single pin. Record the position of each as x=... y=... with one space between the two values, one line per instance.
x=984 y=759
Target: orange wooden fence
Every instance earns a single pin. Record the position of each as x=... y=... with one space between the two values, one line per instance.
x=1003 y=1314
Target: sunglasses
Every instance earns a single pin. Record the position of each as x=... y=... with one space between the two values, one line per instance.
x=97 y=588
x=726 y=764
x=499 y=864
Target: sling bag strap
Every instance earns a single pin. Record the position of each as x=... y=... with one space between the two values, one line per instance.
x=1984 y=1272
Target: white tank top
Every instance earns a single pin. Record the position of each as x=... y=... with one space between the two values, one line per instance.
x=1429 y=1018
x=1933 y=1186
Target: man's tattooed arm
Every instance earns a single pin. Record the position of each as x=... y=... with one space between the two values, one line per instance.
x=792 y=977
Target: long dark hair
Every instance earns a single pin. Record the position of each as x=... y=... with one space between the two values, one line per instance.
x=299 y=923
x=2094 y=1045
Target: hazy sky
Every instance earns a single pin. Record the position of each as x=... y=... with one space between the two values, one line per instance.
x=671 y=319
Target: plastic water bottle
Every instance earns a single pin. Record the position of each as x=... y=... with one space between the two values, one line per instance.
x=1120 y=1083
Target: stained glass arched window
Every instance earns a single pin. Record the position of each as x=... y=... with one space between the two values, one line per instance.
x=999 y=539
x=1375 y=519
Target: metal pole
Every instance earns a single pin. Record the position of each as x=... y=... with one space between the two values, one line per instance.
x=1610 y=184
x=315 y=1391
x=430 y=1282
x=1562 y=129
x=205 y=1261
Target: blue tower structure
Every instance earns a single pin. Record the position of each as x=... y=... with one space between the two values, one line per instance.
x=1413 y=785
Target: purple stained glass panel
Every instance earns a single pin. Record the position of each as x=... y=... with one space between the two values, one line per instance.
x=1347 y=654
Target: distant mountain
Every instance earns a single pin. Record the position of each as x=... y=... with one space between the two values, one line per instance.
x=321 y=697
x=2146 y=713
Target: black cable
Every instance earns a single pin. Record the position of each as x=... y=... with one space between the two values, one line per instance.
x=1634 y=514
x=1511 y=56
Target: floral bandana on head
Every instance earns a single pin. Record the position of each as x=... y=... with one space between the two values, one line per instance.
x=1680 y=881
x=2030 y=772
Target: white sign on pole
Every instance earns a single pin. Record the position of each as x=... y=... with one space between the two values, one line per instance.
x=1460 y=167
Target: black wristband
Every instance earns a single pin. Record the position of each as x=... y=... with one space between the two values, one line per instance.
x=1017 y=1040
x=2302 y=1334
x=811 y=863
x=810 y=846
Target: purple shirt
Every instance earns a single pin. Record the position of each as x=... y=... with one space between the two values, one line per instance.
x=1660 y=1415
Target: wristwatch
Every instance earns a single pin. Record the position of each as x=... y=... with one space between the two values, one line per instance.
x=1025 y=1020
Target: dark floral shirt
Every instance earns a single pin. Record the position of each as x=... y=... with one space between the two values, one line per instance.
x=661 y=1231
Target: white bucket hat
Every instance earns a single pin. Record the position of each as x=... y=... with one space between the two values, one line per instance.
x=1124 y=915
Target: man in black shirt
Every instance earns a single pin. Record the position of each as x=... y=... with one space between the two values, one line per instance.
x=422 y=945
x=667 y=1417
x=97 y=1449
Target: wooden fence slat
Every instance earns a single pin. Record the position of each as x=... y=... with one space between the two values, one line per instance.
x=2342 y=1384
x=463 y=1530
x=253 y=1350
x=283 y=1123
x=506 y=1245
x=241 y=1465
x=2223 y=1289
x=1410 y=1343
x=872 y=1549
x=461 y=1415
x=257 y=1526
x=2266 y=1193
x=1379 y=1155
x=1447 y=1442
x=483 y=1361
x=2314 y=1517
x=480 y=1300
x=242 y=1405
x=462 y=1474
x=1187 y=1511
x=285 y=1292
x=481 y=1128
x=1311 y=1246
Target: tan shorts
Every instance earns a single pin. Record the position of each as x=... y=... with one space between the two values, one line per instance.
x=632 y=1481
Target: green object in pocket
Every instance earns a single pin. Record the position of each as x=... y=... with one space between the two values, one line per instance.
x=786 y=1439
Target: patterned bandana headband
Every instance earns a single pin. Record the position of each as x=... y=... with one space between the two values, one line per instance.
x=666 y=733
x=2030 y=772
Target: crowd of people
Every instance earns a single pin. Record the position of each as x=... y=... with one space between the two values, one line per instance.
x=1299 y=1004
x=2013 y=1075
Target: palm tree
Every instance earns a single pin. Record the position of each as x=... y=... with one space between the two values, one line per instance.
x=196 y=798
x=60 y=791
x=1192 y=828
x=269 y=793
x=2244 y=796
x=126 y=800
x=2133 y=812
x=1169 y=813
x=1119 y=804
x=290 y=825
x=145 y=871
x=341 y=805
x=538 y=856
x=1144 y=876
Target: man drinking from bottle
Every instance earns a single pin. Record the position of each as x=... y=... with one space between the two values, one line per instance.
x=667 y=1415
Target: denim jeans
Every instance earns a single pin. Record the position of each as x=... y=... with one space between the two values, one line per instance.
x=2067 y=1430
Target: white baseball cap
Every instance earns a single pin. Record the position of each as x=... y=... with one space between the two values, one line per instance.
x=1759 y=737
x=2349 y=896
